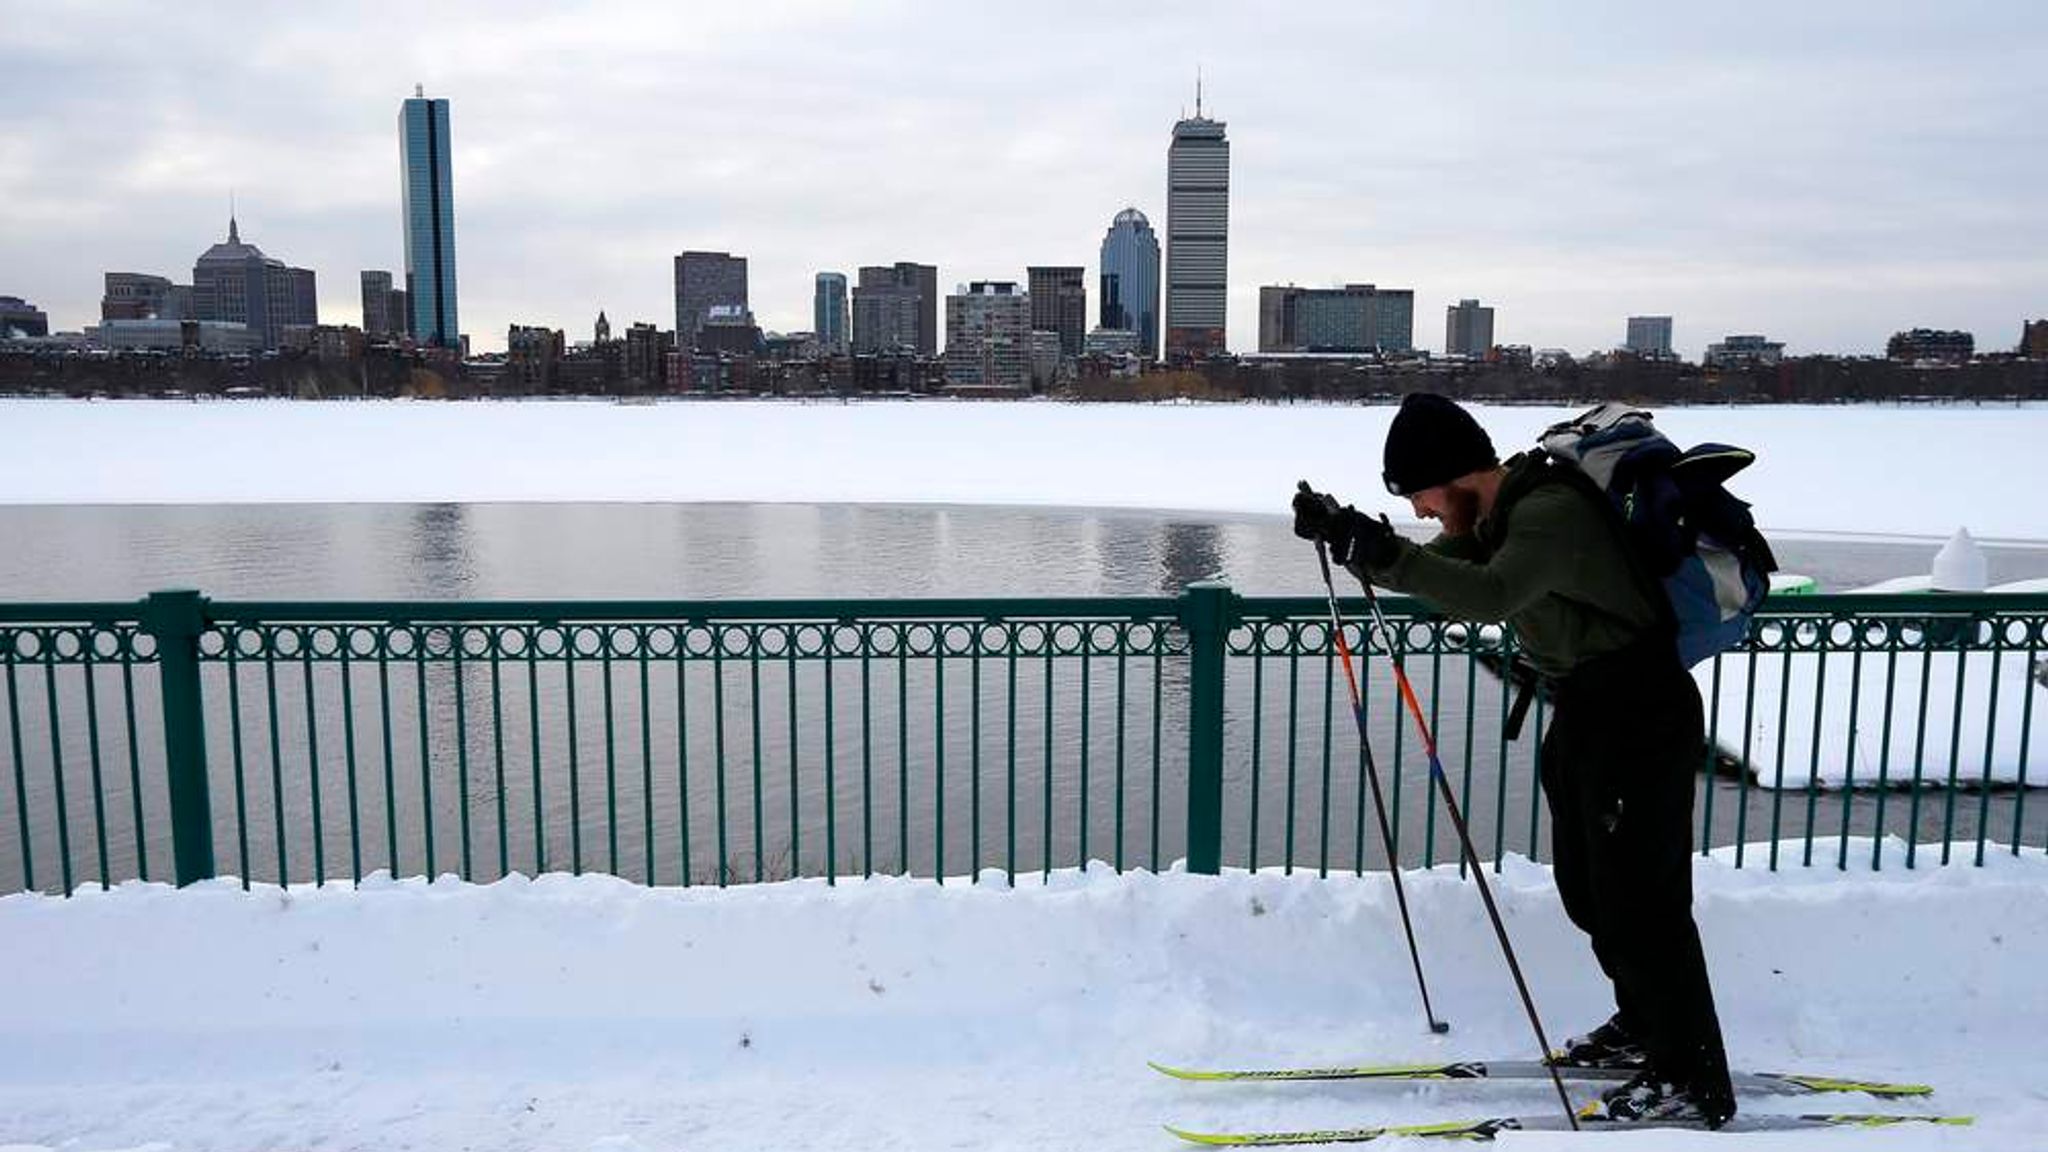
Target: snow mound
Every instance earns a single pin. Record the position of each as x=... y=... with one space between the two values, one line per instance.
x=591 y=1013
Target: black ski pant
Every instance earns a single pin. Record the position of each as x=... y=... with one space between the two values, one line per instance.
x=1618 y=768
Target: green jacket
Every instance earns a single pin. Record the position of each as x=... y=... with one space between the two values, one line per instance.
x=1547 y=560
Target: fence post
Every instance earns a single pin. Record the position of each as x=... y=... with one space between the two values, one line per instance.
x=175 y=620
x=1207 y=610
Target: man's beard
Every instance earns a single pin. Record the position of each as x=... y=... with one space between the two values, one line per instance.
x=1461 y=511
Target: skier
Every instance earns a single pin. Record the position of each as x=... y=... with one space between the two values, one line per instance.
x=1522 y=544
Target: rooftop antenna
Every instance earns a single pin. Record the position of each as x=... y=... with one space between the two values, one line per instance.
x=419 y=91
x=1198 y=91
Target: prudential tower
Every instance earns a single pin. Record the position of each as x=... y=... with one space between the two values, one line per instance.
x=1197 y=237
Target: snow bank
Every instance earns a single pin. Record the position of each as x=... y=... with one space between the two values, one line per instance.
x=589 y=1013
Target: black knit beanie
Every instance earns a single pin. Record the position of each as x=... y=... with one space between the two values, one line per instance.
x=1432 y=441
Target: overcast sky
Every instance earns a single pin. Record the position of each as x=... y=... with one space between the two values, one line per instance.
x=1823 y=172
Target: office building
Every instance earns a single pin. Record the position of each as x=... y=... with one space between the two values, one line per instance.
x=235 y=283
x=533 y=358
x=706 y=280
x=1111 y=342
x=1129 y=285
x=377 y=319
x=1356 y=318
x=647 y=351
x=988 y=336
x=1197 y=238
x=1059 y=303
x=2034 y=339
x=1046 y=360
x=1468 y=329
x=429 y=210
x=174 y=335
x=895 y=310
x=19 y=318
x=1649 y=336
x=1930 y=344
x=729 y=328
x=140 y=296
x=828 y=314
x=1743 y=352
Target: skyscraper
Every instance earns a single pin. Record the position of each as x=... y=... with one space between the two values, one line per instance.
x=429 y=195
x=1197 y=237
x=828 y=313
x=896 y=310
x=1468 y=329
x=1649 y=335
x=1130 y=280
x=377 y=304
x=706 y=280
x=236 y=283
x=1059 y=304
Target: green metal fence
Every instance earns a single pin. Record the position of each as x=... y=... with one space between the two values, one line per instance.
x=715 y=742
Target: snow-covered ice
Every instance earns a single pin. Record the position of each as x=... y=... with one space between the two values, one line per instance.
x=1916 y=470
x=590 y=1013
x=1874 y=719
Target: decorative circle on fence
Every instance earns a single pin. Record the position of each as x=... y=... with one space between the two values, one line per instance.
x=812 y=640
x=958 y=639
x=1027 y=639
x=85 y=644
x=1106 y=638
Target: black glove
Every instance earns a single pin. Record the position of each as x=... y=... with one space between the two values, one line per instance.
x=1315 y=513
x=1351 y=534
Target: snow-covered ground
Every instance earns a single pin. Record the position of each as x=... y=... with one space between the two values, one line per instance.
x=567 y=1013
x=1886 y=470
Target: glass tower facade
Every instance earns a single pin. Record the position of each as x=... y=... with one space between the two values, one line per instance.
x=429 y=198
x=828 y=313
x=1130 y=280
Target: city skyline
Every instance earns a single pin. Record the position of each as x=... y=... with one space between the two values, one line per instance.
x=1829 y=174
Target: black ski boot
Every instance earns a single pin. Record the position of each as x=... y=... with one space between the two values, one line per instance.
x=1651 y=1097
x=1608 y=1046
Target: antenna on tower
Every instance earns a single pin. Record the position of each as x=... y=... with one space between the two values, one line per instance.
x=1198 y=91
x=419 y=91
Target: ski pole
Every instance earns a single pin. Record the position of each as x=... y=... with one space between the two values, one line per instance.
x=1443 y=785
x=1379 y=803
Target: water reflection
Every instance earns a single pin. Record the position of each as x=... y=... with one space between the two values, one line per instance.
x=441 y=554
x=1192 y=552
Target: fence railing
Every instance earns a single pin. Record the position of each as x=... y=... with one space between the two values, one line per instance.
x=724 y=741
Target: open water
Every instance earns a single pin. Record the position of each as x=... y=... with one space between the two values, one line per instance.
x=760 y=821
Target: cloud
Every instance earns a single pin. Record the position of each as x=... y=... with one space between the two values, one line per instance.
x=1826 y=172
